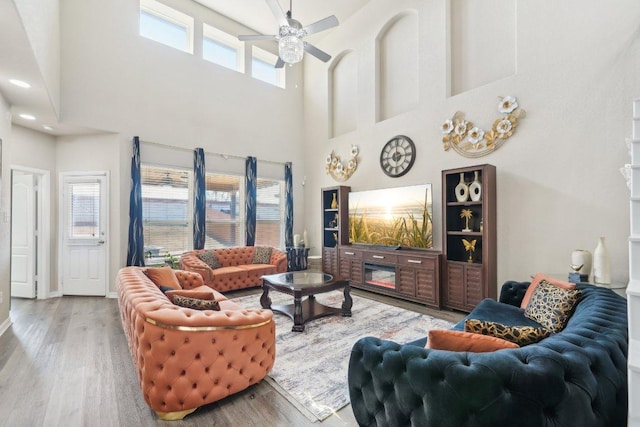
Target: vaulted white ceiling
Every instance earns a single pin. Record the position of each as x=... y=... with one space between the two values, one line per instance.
x=18 y=60
x=256 y=15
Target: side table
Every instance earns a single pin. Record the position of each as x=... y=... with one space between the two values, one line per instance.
x=297 y=258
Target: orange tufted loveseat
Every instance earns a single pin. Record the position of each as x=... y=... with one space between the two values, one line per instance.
x=187 y=358
x=237 y=271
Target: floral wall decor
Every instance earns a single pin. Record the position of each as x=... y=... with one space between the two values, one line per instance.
x=471 y=141
x=339 y=171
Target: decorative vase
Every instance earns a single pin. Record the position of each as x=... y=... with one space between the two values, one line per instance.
x=334 y=202
x=462 y=189
x=601 y=264
x=581 y=257
x=475 y=188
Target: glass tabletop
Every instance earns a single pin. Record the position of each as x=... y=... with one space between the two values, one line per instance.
x=299 y=278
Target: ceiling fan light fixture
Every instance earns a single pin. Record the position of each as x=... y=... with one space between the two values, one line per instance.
x=291 y=49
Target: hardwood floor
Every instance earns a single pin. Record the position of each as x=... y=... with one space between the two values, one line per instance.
x=65 y=362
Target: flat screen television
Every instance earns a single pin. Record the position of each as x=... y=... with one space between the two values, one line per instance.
x=399 y=217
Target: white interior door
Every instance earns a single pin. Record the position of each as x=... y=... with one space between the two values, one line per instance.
x=23 y=236
x=84 y=232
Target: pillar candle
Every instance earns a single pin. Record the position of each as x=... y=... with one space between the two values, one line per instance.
x=296 y=240
x=305 y=238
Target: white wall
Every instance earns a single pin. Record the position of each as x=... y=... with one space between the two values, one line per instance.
x=42 y=24
x=37 y=150
x=116 y=81
x=99 y=153
x=559 y=187
x=5 y=229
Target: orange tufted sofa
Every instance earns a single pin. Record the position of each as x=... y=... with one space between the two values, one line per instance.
x=187 y=358
x=237 y=271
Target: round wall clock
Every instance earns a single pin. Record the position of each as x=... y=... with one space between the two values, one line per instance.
x=397 y=156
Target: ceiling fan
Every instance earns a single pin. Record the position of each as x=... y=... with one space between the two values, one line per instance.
x=291 y=45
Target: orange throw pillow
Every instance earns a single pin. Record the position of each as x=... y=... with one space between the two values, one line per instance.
x=536 y=281
x=444 y=339
x=189 y=293
x=163 y=276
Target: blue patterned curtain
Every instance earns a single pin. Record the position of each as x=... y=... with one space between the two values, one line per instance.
x=199 y=197
x=250 y=188
x=135 y=249
x=288 y=205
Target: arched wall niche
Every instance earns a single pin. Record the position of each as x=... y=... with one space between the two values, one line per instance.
x=483 y=43
x=343 y=93
x=397 y=74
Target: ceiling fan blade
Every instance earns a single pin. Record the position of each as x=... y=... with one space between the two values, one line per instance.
x=311 y=49
x=321 y=25
x=256 y=37
x=277 y=12
x=279 y=63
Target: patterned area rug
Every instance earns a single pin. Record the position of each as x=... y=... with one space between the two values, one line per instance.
x=311 y=366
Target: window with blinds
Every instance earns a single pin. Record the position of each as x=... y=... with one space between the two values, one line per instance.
x=270 y=213
x=84 y=210
x=225 y=211
x=166 y=210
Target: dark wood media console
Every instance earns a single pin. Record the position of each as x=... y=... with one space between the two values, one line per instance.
x=409 y=274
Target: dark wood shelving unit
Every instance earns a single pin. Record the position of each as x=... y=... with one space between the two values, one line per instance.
x=469 y=277
x=409 y=274
x=338 y=234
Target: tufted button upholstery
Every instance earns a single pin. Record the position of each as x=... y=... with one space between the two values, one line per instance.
x=512 y=292
x=237 y=271
x=577 y=377
x=187 y=358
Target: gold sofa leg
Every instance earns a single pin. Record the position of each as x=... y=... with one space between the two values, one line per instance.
x=174 y=416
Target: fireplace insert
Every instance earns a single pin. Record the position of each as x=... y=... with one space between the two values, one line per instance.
x=383 y=276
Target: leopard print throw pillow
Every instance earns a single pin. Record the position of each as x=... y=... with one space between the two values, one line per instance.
x=262 y=255
x=521 y=335
x=552 y=306
x=209 y=258
x=195 y=303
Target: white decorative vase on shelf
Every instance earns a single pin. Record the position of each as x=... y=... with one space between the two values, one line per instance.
x=601 y=264
x=581 y=257
x=462 y=189
x=475 y=188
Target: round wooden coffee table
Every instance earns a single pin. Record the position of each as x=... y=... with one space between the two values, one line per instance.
x=301 y=284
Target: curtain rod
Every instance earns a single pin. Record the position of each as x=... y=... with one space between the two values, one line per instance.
x=224 y=156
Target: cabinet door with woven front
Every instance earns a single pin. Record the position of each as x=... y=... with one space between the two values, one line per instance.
x=330 y=261
x=473 y=289
x=406 y=280
x=427 y=286
x=351 y=266
x=454 y=292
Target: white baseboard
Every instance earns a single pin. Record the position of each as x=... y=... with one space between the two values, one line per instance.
x=54 y=294
x=112 y=295
x=5 y=325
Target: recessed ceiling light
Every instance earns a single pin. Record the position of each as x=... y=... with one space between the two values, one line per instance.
x=47 y=127
x=20 y=83
x=28 y=116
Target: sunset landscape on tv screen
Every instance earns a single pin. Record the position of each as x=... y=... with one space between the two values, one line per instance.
x=399 y=217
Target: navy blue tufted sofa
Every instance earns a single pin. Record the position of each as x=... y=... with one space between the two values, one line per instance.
x=577 y=377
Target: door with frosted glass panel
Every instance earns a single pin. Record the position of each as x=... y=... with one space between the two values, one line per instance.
x=84 y=231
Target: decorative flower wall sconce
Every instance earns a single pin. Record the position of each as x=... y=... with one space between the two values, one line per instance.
x=470 y=141
x=339 y=171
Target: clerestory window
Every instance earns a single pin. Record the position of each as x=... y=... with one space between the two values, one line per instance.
x=166 y=25
x=263 y=67
x=222 y=48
